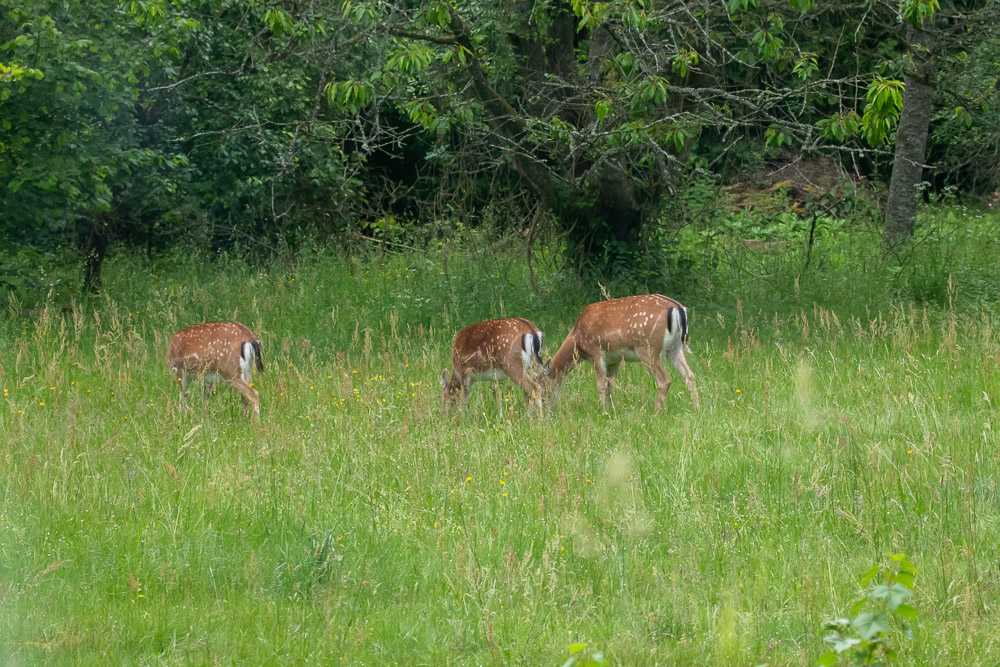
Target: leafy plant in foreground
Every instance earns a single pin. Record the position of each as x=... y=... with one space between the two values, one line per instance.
x=582 y=656
x=866 y=639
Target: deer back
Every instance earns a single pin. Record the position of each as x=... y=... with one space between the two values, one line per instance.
x=494 y=344
x=653 y=321
x=225 y=348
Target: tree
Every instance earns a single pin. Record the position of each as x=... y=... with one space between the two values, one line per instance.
x=931 y=35
x=76 y=159
x=146 y=121
x=600 y=107
x=965 y=127
x=246 y=106
x=911 y=143
x=248 y=124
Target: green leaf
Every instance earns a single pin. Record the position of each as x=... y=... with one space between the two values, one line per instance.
x=845 y=643
x=907 y=612
x=828 y=659
x=836 y=624
x=444 y=16
x=602 y=108
x=880 y=592
x=897 y=593
x=907 y=566
x=868 y=625
x=919 y=11
x=776 y=137
x=577 y=647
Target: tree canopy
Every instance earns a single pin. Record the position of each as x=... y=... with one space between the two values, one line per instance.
x=222 y=122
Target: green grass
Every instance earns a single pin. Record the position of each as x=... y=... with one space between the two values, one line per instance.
x=360 y=525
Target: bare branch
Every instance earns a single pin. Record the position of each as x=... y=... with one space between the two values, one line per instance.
x=399 y=32
x=171 y=86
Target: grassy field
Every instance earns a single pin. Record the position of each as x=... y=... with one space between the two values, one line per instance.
x=841 y=420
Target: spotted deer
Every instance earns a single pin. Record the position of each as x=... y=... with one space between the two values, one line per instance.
x=491 y=351
x=217 y=351
x=634 y=328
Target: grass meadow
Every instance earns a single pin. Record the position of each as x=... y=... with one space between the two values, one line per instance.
x=848 y=412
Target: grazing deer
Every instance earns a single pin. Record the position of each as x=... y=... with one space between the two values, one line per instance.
x=634 y=328
x=490 y=351
x=218 y=351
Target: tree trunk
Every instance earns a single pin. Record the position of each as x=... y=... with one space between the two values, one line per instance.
x=95 y=249
x=911 y=144
x=616 y=204
x=603 y=221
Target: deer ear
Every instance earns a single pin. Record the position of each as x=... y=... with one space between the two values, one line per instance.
x=444 y=379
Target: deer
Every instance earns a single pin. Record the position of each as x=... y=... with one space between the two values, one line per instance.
x=217 y=351
x=494 y=350
x=634 y=328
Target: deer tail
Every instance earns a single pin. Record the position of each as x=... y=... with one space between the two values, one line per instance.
x=258 y=358
x=250 y=353
x=531 y=343
x=683 y=313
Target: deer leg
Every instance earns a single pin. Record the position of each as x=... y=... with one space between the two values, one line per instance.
x=601 y=371
x=182 y=381
x=611 y=383
x=680 y=363
x=250 y=394
x=533 y=399
x=466 y=390
x=652 y=363
x=534 y=394
x=520 y=376
x=498 y=393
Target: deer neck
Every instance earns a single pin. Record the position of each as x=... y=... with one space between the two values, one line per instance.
x=565 y=359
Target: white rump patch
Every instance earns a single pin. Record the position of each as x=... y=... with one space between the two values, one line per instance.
x=526 y=357
x=672 y=339
x=527 y=349
x=246 y=362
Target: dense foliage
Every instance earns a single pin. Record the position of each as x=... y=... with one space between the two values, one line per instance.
x=217 y=123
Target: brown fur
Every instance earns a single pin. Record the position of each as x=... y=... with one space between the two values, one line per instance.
x=493 y=346
x=644 y=328
x=215 y=347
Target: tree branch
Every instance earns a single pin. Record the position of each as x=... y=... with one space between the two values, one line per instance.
x=399 y=32
x=171 y=86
